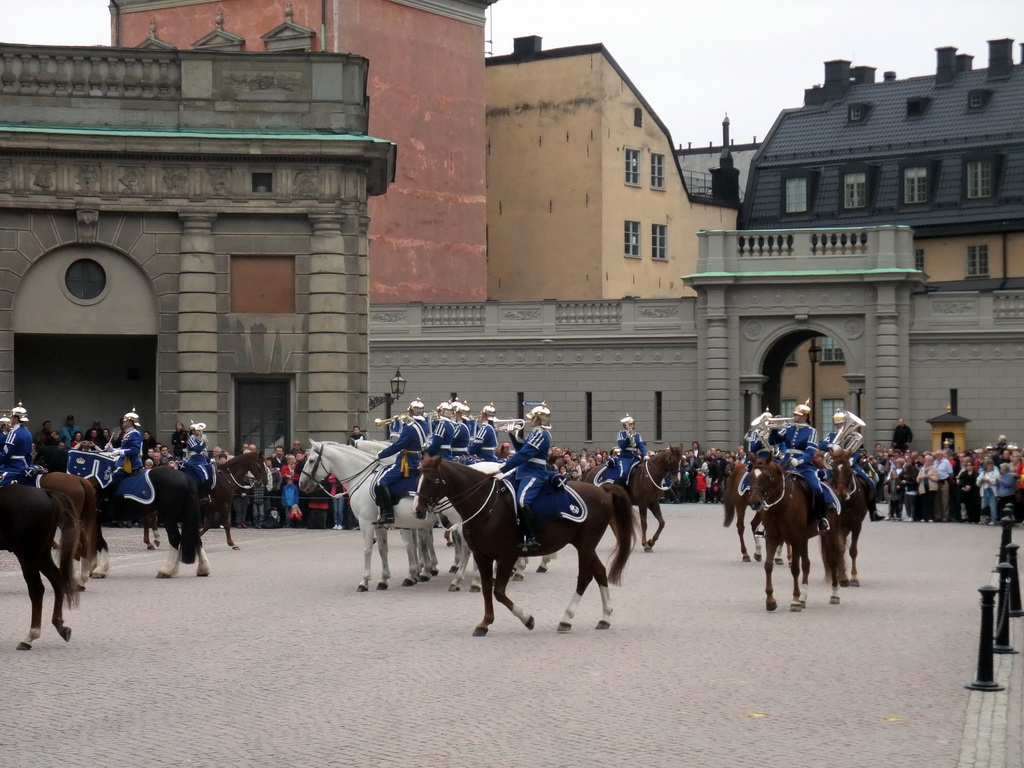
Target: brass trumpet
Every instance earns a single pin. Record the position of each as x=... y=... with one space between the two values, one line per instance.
x=388 y=422
x=509 y=425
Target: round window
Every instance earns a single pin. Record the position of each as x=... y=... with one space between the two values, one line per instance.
x=85 y=279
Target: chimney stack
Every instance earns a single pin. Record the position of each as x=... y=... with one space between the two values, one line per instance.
x=522 y=46
x=888 y=76
x=862 y=75
x=945 y=66
x=837 y=79
x=1000 y=58
x=964 y=62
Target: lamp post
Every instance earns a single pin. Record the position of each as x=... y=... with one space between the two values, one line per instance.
x=814 y=354
x=397 y=390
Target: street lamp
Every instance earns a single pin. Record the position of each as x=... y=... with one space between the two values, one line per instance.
x=814 y=353
x=397 y=390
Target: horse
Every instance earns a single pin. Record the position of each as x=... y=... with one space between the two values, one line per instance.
x=785 y=508
x=491 y=530
x=29 y=519
x=735 y=504
x=230 y=476
x=176 y=503
x=82 y=495
x=645 y=489
x=851 y=489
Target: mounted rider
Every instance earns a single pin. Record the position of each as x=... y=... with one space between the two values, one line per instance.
x=197 y=460
x=485 y=439
x=17 y=450
x=530 y=465
x=800 y=443
x=631 y=449
x=130 y=449
x=844 y=426
x=442 y=433
x=758 y=447
x=461 y=434
x=410 y=444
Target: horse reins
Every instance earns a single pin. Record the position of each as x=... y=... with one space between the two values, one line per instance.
x=452 y=499
x=782 y=493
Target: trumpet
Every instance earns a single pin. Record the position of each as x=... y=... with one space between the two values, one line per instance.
x=509 y=425
x=388 y=422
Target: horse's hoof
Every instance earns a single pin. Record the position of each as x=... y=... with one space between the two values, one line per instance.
x=756 y=557
x=844 y=583
x=474 y=588
x=602 y=624
x=453 y=588
x=564 y=626
x=795 y=607
x=648 y=549
x=434 y=571
x=382 y=585
x=770 y=606
x=479 y=631
x=529 y=623
x=517 y=577
x=423 y=577
x=24 y=647
x=453 y=569
x=854 y=582
x=362 y=588
x=65 y=632
x=162 y=575
x=81 y=587
x=542 y=569
x=834 y=600
x=407 y=582
x=150 y=547
x=803 y=603
x=746 y=558
x=202 y=575
x=235 y=547
x=97 y=575
x=778 y=561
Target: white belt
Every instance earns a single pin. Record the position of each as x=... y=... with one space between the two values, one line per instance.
x=538 y=461
x=794 y=450
x=460 y=450
x=17 y=457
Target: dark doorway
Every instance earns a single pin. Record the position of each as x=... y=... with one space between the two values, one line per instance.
x=262 y=413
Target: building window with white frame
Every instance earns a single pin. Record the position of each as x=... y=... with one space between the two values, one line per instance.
x=977 y=261
x=659 y=242
x=633 y=167
x=631 y=231
x=979 y=179
x=919 y=259
x=915 y=185
x=831 y=352
x=657 y=171
x=829 y=405
x=796 y=194
x=787 y=406
x=855 y=190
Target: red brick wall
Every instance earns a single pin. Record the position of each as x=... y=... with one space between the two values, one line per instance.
x=426 y=89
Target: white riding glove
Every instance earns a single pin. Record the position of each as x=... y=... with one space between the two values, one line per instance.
x=794 y=463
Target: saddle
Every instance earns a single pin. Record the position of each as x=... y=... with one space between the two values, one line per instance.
x=555 y=499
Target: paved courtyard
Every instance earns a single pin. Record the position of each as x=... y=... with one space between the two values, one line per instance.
x=276 y=660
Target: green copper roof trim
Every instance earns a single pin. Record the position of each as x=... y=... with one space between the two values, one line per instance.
x=807 y=273
x=192 y=134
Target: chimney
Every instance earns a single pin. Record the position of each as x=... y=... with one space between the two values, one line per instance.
x=1000 y=57
x=945 y=67
x=964 y=62
x=889 y=76
x=725 y=179
x=523 y=46
x=837 y=79
x=863 y=75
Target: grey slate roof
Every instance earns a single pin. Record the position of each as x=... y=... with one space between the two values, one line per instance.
x=823 y=139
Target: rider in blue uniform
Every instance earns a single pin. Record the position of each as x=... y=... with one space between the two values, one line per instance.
x=800 y=442
x=442 y=434
x=757 y=448
x=17 y=450
x=130 y=449
x=530 y=465
x=460 y=432
x=631 y=449
x=839 y=419
x=485 y=440
x=409 y=444
x=197 y=461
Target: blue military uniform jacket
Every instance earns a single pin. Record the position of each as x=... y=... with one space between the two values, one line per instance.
x=409 y=444
x=197 y=460
x=441 y=439
x=801 y=443
x=530 y=463
x=131 y=448
x=17 y=452
x=631 y=449
x=485 y=442
x=460 y=441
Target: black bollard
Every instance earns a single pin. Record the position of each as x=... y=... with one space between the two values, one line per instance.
x=1004 y=541
x=1011 y=556
x=1002 y=640
x=986 y=681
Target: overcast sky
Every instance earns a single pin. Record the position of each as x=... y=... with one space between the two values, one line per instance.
x=693 y=61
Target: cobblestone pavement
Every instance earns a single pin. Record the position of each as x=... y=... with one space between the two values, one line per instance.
x=276 y=660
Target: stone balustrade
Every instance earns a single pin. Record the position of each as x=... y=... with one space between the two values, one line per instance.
x=89 y=72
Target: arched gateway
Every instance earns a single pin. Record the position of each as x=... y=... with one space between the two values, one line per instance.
x=761 y=293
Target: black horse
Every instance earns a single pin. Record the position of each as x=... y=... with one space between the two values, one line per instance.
x=29 y=519
x=176 y=505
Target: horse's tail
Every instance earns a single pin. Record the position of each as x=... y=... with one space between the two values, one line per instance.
x=87 y=535
x=624 y=525
x=832 y=552
x=190 y=522
x=729 y=498
x=70 y=532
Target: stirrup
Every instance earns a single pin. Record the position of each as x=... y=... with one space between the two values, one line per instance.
x=823 y=525
x=530 y=545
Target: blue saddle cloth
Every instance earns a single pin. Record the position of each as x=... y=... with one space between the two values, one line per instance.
x=137 y=487
x=403 y=486
x=555 y=499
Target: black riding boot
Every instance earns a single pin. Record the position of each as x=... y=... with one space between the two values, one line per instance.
x=819 y=512
x=387 y=509
x=530 y=542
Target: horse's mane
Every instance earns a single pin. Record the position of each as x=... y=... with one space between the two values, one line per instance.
x=355 y=453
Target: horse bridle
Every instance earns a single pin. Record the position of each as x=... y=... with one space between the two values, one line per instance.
x=782 y=494
x=438 y=480
x=365 y=472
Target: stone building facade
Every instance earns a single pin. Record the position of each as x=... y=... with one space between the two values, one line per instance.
x=185 y=233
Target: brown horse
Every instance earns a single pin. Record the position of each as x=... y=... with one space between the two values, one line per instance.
x=29 y=519
x=231 y=475
x=491 y=531
x=645 y=490
x=852 y=490
x=82 y=495
x=735 y=505
x=785 y=506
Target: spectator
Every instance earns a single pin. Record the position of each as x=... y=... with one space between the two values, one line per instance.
x=988 y=485
x=967 y=482
x=260 y=489
x=1005 y=490
x=927 y=487
x=911 y=507
x=76 y=438
x=68 y=431
x=43 y=434
x=902 y=436
x=289 y=502
x=355 y=436
x=179 y=438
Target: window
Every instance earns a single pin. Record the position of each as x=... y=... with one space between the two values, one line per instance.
x=261 y=412
x=658 y=415
x=919 y=259
x=633 y=166
x=791 y=360
x=263 y=284
x=855 y=190
x=787 y=406
x=263 y=182
x=85 y=279
x=796 y=195
x=915 y=185
x=977 y=261
x=855 y=113
x=975 y=100
x=830 y=351
x=631 y=231
x=979 y=179
x=638 y=117
x=659 y=241
x=829 y=405
x=917 y=106
x=589 y=420
x=657 y=171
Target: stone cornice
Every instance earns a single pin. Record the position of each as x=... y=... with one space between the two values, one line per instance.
x=470 y=11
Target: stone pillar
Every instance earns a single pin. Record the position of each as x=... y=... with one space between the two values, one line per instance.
x=336 y=346
x=887 y=372
x=719 y=419
x=197 y=327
